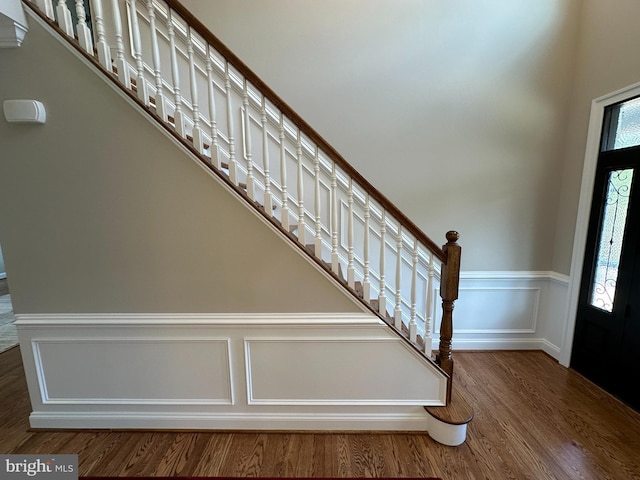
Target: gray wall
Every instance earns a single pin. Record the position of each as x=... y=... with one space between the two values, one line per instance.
x=99 y=212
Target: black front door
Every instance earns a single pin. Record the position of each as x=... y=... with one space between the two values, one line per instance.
x=606 y=346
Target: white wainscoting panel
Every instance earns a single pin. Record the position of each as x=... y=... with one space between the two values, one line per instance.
x=134 y=371
x=272 y=371
x=224 y=371
x=330 y=371
x=508 y=310
x=554 y=317
x=497 y=310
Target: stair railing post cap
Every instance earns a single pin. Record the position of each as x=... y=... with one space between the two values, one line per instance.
x=452 y=236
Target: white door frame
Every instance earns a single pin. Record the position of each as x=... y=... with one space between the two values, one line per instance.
x=584 y=209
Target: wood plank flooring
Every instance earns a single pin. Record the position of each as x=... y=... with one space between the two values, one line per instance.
x=533 y=420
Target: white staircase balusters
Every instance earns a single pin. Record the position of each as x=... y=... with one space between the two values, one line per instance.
x=84 y=34
x=198 y=141
x=247 y=142
x=215 y=152
x=428 y=327
x=413 y=326
x=366 y=281
x=157 y=68
x=397 y=313
x=335 y=256
x=64 y=18
x=301 y=224
x=351 y=277
x=178 y=114
x=120 y=62
x=141 y=83
x=382 y=295
x=233 y=167
x=284 y=219
x=47 y=8
x=317 y=204
x=268 y=200
x=104 y=55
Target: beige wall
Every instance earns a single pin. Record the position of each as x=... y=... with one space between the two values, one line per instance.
x=455 y=110
x=101 y=213
x=488 y=104
x=607 y=61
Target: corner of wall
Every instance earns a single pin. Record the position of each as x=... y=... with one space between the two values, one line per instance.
x=513 y=310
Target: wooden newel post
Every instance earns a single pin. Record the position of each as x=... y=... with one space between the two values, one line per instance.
x=449 y=282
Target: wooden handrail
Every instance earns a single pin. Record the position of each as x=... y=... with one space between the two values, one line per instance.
x=314 y=136
x=449 y=284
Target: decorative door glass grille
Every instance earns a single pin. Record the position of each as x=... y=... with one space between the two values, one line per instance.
x=612 y=228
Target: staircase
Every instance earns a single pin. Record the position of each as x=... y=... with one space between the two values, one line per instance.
x=203 y=96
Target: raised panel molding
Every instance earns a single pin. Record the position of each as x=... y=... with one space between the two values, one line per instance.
x=133 y=371
x=191 y=371
x=520 y=310
x=330 y=371
x=244 y=370
x=497 y=306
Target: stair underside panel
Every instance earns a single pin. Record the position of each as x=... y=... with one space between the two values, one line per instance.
x=110 y=215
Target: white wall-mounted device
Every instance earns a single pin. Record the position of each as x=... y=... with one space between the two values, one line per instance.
x=24 y=111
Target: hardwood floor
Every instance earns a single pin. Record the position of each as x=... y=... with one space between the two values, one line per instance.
x=534 y=419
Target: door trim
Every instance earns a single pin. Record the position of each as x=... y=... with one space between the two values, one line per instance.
x=584 y=208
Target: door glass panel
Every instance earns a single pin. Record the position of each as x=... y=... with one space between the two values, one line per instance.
x=622 y=128
x=614 y=219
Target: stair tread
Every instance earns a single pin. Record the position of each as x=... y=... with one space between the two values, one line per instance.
x=457 y=412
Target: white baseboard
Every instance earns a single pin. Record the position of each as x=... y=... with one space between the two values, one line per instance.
x=507 y=344
x=3 y=275
x=389 y=421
